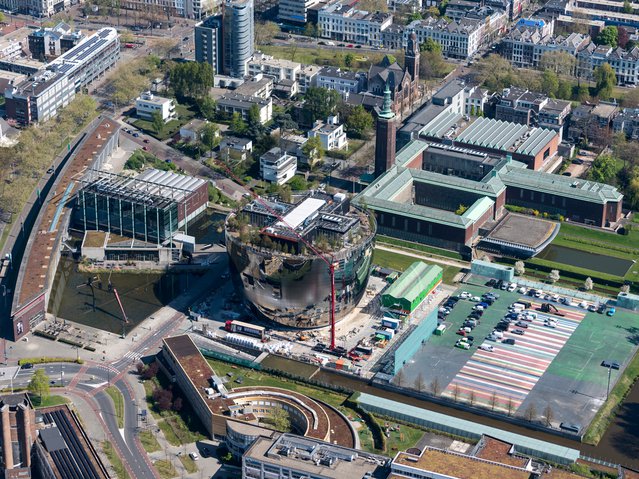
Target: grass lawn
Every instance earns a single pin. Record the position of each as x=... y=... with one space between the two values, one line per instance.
x=606 y=414
x=185 y=114
x=115 y=461
x=118 y=404
x=149 y=442
x=397 y=440
x=188 y=463
x=165 y=469
x=596 y=236
x=321 y=56
x=48 y=401
x=400 y=262
x=252 y=377
x=422 y=248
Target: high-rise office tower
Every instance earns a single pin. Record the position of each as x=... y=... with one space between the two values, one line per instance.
x=208 y=42
x=239 y=36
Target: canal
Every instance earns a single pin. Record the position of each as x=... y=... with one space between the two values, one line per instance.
x=584 y=259
x=619 y=445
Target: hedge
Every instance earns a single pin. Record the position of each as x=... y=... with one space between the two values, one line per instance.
x=379 y=438
x=45 y=359
x=71 y=342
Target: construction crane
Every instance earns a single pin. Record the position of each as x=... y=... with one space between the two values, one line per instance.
x=327 y=259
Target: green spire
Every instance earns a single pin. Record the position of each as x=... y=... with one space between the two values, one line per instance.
x=387 y=112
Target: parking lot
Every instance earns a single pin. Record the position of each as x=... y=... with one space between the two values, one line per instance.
x=557 y=368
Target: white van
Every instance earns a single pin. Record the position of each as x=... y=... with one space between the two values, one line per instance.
x=518 y=306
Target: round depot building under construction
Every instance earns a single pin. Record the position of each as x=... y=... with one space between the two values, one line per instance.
x=284 y=257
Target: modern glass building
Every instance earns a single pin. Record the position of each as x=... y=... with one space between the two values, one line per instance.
x=239 y=36
x=150 y=207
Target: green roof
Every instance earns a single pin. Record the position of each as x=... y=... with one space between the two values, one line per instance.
x=411 y=283
x=410 y=150
x=423 y=417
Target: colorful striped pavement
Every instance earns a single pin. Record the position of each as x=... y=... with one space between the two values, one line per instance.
x=501 y=380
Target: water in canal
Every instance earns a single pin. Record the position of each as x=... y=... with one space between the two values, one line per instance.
x=619 y=445
x=583 y=259
x=141 y=293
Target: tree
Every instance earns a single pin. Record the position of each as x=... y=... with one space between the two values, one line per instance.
x=582 y=93
x=549 y=83
x=157 y=121
x=520 y=268
x=530 y=413
x=279 y=419
x=627 y=8
x=432 y=65
x=313 y=149
x=265 y=32
x=603 y=170
x=163 y=399
x=472 y=397
x=625 y=288
x=493 y=401
x=561 y=63
x=320 y=102
x=39 y=384
x=191 y=79
x=349 y=58
x=430 y=45
x=631 y=99
x=298 y=183
x=419 y=382
x=456 y=391
x=359 y=121
x=623 y=37
x=2 y=18
x=553 y=276
x=565 y=90
x=435 y=387
x=605 y=79
x=177 y=404
x=399 y=378
x=496 y=73
x=510 y=406
x=209 y=136
x=310 y=30
x=237 y=125
x=208 y=107
x=608 y=36
x=151 y=370
x=588 y=284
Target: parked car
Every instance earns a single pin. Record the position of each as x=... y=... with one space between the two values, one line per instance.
x=510 y=341
x=520 y=332
x=522 y=290
x=602 y=308
x=462 y=345
x=487 y=347
x=570 y=427
x=611 y=312
x=26 y=366
x=512 y=287
x=522 y=324
x=475 y=299
x=592 y=308
x=577 y=161
x=465 y=295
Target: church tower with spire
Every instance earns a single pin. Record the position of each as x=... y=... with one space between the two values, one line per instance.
x=385 y=136
x=412 y=60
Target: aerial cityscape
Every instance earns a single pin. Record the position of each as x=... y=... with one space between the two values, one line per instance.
x=319 y=239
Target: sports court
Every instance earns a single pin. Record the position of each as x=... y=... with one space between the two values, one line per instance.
x=546 y=367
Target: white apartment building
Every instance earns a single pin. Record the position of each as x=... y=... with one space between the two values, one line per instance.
x=345 y=82
x=331 y=134
x=237 y=103
x=458 y=39
x=625 y=63
x=147 y=104
x=277 y=166
x=346 y=24
x=274 y=68
x=307 y=77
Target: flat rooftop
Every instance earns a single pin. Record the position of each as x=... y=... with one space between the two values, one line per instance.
x=459 y=466
x=523 y=230
x=35 y=266
x=84 y=51
x=317 y=458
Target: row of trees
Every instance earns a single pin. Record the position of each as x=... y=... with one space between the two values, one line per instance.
x=553 y=276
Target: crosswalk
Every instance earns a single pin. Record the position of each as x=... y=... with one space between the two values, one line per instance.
x=502 y=379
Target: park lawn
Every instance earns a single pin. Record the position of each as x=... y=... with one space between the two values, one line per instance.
x=188 y=463
x=400 y=262
x=177 y=432
x=48 y=401
x=185 y=114
x=419 y=247
x=118 y=404
x=115 y=460
x=165 y=469
x=251 y=377
x=596 y=236
x=321 y=56
x=149 y=442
